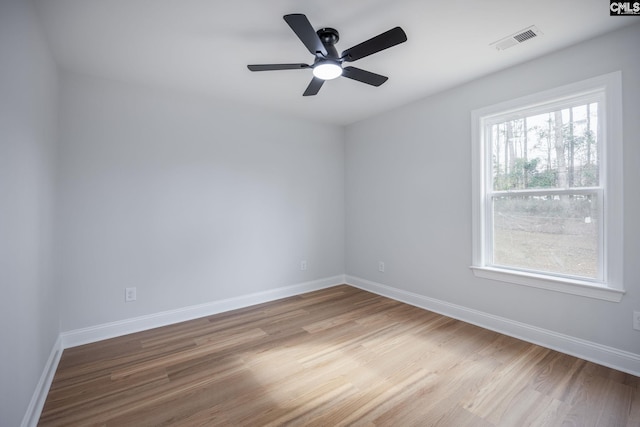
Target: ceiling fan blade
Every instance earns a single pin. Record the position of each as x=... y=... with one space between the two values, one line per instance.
x=313 y=87
x=380 y=42
x=363 y=76
x=305 y=32
x=272 y=67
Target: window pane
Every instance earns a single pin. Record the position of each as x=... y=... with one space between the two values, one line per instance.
x=556 y=149
x=554 y=234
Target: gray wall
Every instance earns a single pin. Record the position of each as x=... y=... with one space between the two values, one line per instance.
x=408 y=196
x=29 y=322
x=189 y=200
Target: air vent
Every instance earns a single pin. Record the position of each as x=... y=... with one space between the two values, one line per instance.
x=517 y=38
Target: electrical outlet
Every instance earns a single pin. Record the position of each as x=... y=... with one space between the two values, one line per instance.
x=636 y=320
x=303 y=265
x=381 y=266
x=130 y=294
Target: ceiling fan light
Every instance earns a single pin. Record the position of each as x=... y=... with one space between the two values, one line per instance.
x=327 y=70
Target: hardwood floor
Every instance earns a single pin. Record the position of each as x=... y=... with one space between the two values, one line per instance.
x=339 y=356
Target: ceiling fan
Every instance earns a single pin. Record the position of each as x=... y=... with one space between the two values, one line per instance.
x=328 y=64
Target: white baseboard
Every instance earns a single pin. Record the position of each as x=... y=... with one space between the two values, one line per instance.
x=32 y=415
x=608 y=356
x=128 y=326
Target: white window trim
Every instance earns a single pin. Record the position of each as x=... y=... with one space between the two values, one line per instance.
x=611 y=289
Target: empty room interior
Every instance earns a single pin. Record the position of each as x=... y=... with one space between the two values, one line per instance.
x=199 y=227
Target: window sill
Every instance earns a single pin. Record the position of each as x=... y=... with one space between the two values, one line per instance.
x=567 y=286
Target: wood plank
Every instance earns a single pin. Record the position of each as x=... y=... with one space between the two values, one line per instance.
x=339 y=356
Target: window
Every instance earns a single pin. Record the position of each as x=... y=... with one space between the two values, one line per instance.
x=547 y=190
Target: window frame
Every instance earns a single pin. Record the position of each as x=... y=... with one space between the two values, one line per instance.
x=609 y=286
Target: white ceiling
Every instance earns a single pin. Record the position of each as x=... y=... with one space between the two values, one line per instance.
x=203 y=46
